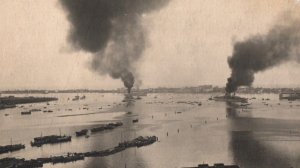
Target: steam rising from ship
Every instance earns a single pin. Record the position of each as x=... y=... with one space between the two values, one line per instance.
x=258 y=53
x=112 y=31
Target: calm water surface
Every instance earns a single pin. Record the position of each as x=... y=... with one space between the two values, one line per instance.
x=260 y=136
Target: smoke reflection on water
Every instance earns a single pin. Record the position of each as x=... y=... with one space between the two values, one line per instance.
x=250 y=152
x=127 y=158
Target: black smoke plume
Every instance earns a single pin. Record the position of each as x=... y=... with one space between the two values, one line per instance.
x=112 y=31
x=258 y=53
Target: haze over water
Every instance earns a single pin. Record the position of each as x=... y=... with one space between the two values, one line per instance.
x=260 y=136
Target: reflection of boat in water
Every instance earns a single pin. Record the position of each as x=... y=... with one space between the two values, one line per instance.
x=230 y=98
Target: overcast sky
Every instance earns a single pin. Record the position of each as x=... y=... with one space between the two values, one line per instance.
x=188 y=45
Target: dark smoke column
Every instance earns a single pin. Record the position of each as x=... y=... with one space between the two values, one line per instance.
x=128 y=80
x=261 y=52
x=112 y=32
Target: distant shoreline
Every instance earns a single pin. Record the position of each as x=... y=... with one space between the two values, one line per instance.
x=195 y=89
x=11 y=101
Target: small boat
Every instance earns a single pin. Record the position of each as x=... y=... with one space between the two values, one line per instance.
x=75 y=98
x=25 y=112
x=11 y=148
x=82 y=133
x=35 y=110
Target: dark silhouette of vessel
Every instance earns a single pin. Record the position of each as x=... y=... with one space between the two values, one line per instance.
x=51 y=139
x=217 y=165
x=25 y=112
x=75 y=98
x=230 y=98
x=291 y=96
x=109 y=126
x=81 y=133
x=11 y=148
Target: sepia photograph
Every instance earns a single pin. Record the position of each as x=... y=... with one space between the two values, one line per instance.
x=150 y=84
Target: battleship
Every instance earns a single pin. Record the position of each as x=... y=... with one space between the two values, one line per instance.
x=228 y=97
x=134 y=95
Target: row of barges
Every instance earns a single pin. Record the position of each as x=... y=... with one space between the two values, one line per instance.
x=71 y=157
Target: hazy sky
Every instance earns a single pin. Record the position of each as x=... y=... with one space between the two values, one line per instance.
x=188 y=44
